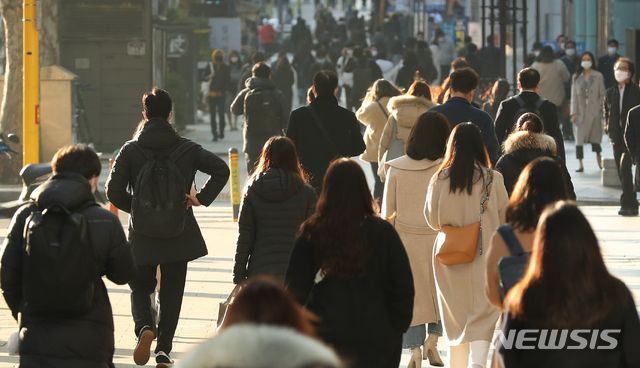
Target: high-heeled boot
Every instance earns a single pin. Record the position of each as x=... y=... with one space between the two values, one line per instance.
x=431 y=351
x=416 y=358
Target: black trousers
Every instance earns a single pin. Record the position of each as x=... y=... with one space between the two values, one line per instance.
x=378 y=188
x=628 y=198
x=595 y=147
x=172 y=281
x=251 y=160
x=217 y=103
x=565 y=124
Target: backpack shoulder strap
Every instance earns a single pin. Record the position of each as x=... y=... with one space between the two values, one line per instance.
x=519 y=100
x=148 y=154
x=511 y=240
x=181 y=149
x=540 y=102
x=324 y=131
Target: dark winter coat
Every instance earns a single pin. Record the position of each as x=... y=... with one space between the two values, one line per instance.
x=158 y=135
x=252 y=142
x=284 y=79
x=459 y=110
x=405 y=76
x=612 y=114
x=221 y=78
x=605 y=66
x=313 y=149
x=363 y=318
x=271 y=212
x=87 y=340
x=523 y=147
x=507 y=112
x=632 y=134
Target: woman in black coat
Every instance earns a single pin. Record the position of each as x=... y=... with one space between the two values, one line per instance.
x=283 y=78
x=349 y=267
x=528 y=142
x=277 y=200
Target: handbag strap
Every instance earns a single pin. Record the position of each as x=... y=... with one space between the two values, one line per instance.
x=323 y=130
x=511 y=240
x=383 y=110
x=487 y=193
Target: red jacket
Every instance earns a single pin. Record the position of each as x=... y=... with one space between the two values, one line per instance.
x=267 y=33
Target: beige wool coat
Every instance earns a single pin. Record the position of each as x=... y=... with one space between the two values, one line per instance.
x=587 y=97
x=467 y=314
x=374 y=116
x=405 y=110
x=405 y=192
x=553 y=75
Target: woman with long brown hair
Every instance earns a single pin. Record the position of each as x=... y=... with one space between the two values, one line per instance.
x=403 y=205
x=404 y=111
x=567 y=288
x=263 y=327
x=541 y=183
x=276 y=201
x=462 y=189
x=349 y=267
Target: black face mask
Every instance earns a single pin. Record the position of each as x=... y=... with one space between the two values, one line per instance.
x=218 y=59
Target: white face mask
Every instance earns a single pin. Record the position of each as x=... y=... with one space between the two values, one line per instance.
x=349 y=52
x=612 y=50
x=234 y=59
x=561 y=46
x=536 y=53
x=434 y=48
x=374 y=53
x=313 y=53
x=586 y=65
x=570 y=52
x=621 y=75
x=440 y=39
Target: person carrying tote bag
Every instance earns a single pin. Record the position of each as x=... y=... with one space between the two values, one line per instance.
x=456 y=190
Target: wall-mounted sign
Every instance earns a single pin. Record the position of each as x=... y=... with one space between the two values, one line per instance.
x=136 y=48
x=177 y=45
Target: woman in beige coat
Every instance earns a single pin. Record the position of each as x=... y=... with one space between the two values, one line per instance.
x=403 y=204
x=373 y=114
x=454 y=198
x=587 y=96
x=404 y=112
x=553 y=75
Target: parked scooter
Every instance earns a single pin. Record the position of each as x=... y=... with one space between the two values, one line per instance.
x=33 y=175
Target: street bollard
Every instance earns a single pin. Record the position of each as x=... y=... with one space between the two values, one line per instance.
x=112 y=208
x=235 y=182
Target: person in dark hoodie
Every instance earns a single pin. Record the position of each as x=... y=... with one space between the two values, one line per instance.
x=266 y=112
x=276 y=201
x=172 y=254
x=86 y=340
x=219 y=79
x=528 y=142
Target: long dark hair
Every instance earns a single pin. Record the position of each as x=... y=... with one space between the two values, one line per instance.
x=279 y=153
x=379 y=89
x=428 y=137
x=419 y=89
x=540 y=184
x=344 y=202
x=262 y=301
x=567 y=285
x=580 y=69
x=283 y=63
x=466 y=156
x=499 y=93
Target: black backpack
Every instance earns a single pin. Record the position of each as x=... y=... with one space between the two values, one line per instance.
x=159 y=204
x=60 y=268
x=260 y=108
x=524 y=108
x=511 y=268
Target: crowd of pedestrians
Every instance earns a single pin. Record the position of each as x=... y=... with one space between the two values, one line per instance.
x=327 y=272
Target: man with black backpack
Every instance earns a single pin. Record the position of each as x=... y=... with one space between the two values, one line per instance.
x=57 y=248
x=266 y=112
x=152 y=181
x=529 y=101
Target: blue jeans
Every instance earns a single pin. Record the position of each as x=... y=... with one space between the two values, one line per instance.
x=416 y=335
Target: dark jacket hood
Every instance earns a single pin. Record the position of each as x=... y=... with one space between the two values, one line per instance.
x=157 y=133
x=276 y=185
x=257 y=82
x=67 y=189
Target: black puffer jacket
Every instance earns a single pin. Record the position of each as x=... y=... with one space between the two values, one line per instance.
x=272 y=210
x=87 y=340
x=158 y=135
x=523 y=147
